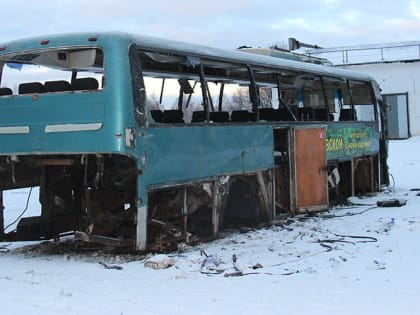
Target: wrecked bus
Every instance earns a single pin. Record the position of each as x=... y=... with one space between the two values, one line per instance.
x=142 y=142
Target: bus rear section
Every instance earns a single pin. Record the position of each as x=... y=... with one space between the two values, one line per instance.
x=56 y=134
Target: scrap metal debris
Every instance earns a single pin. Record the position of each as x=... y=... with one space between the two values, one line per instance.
x=109 y=266
x=212 y=264
x=4 y=249
x=160 y=261
x=257 y=266
x=391 y=203
x=237 y=270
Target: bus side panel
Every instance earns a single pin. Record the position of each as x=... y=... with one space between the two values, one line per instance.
x=176 y=154
x=348 y=140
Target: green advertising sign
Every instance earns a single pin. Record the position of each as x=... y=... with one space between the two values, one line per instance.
x=348 y=141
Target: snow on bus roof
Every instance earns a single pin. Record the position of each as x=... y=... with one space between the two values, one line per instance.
x=234 y=56
x=173 y=46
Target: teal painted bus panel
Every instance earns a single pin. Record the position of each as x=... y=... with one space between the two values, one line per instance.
x=56 y=111
x=82 y=107
x=188 y=153
x=347 y=140
x=60 y=143
x=110 y=107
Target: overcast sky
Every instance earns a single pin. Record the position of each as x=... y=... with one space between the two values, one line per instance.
x=225 y=24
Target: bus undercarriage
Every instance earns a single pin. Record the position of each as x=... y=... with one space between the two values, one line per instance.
x=90 y=193
x=95 y=196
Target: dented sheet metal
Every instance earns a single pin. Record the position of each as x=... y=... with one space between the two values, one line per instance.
x=177 y=154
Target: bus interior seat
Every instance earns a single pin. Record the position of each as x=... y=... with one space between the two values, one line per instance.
x=241 y=116
x=347 y=114
x=198 y=116
x=219 y=116
x=83 y=84
x=321 y=114
x=31 y=88
x=57 y=86
x=173 y=116
x=4 y=91
x=282 y=114
x=267 y=114
x=157 y=115
x=305 y=114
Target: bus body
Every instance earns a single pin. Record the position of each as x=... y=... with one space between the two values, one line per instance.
x=144 y=142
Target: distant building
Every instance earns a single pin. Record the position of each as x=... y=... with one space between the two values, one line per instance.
x=396 y=67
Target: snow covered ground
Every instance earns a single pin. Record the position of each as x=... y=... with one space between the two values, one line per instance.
x=352 y=260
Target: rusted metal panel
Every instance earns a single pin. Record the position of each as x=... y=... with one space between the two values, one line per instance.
x=282 y=180
x=310 y=171
x=363 y=174
x=282 y=186
x=265 y=186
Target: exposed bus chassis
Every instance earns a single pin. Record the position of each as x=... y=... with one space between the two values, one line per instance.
x=90 y=193
x=197 y=210
x=95 y=197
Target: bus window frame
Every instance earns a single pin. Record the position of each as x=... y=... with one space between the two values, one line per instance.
x=281 y=102
x=137 y=85
x=350 y=91
x=324 y=94
x=206 y=71
x=204 y=91
x=372 y=96
x=2 y=64
x=63 y=69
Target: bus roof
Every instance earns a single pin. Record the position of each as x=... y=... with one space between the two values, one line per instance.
x=165 y=45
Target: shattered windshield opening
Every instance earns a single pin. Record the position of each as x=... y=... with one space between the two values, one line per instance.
x=51 y=70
